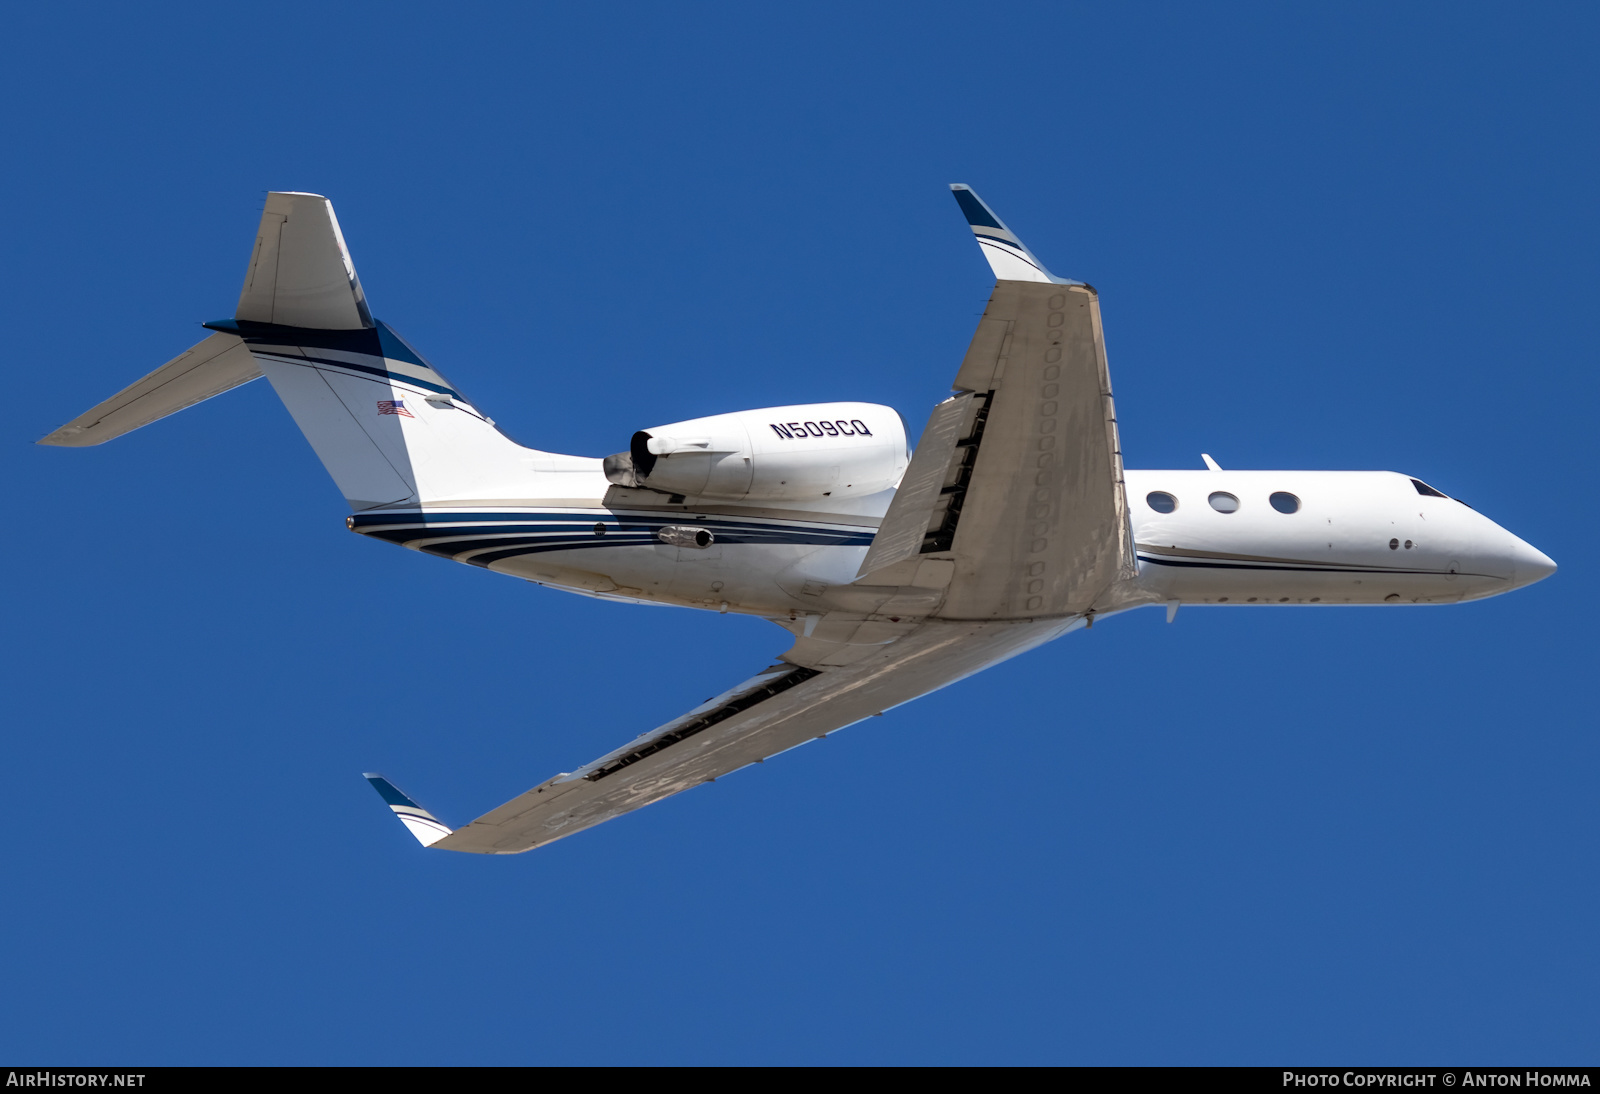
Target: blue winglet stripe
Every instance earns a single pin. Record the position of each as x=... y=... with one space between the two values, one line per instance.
x=977 y=213
x=390 y=792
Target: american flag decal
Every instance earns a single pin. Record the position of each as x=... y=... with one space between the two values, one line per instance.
x=394 y=406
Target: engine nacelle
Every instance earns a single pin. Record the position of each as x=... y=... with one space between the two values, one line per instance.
x=784 y=453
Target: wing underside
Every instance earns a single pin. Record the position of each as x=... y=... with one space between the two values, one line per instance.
x=783 y=706
x=1018 y=478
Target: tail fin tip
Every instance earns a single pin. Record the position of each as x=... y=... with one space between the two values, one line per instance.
x=301 y=273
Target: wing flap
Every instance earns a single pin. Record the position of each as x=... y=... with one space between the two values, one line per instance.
x=905 y=525
x=985 y=362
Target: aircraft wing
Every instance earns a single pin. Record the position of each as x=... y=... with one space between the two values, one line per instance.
x=1009 y=529
x=782 y=706
x=1018 y=477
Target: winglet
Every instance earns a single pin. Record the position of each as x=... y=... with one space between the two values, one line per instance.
x=428 y=829
x=1008 y=256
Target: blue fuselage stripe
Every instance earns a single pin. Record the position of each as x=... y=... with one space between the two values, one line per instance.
x=1290 y=568
x=371 y=370
x=527 y=533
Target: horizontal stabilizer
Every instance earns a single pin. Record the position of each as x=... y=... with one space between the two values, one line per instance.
x=213 y=366
x=300 y=271
x=428 y=829
x=1008 y=256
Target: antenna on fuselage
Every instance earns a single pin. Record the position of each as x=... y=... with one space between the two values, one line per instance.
x=1211 y=463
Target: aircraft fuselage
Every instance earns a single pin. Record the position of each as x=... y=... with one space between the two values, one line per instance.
x=1225 y=538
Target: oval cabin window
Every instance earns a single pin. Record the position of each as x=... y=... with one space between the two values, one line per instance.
x=1161 y=501
x=1285 y=502
x=1224 y=502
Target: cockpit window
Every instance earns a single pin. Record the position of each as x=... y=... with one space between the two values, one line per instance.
x=1427 y=491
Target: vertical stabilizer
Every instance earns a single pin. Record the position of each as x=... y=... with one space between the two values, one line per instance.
x=300 y=272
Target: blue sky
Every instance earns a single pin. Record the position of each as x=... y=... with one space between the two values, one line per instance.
x=1360 y=236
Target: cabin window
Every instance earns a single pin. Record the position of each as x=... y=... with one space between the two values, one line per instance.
x=1427 y=491
x=1394 y=545
x=1224 y=502
x=1161 y=501
x=1285 y=502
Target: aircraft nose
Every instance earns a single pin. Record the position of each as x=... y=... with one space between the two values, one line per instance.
x=1529 y=564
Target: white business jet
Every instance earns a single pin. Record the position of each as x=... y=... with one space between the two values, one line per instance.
x=894 y=573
